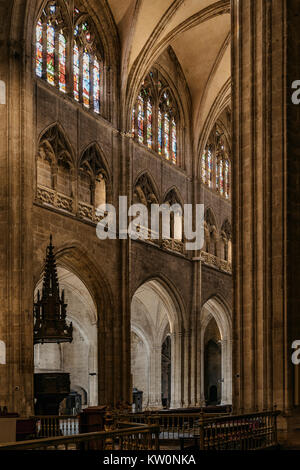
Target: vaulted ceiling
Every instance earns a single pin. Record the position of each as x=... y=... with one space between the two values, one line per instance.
x=198 y=32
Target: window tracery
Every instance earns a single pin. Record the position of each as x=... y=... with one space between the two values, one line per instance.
x=216 y=164
x=69 y=54
x=155 y=117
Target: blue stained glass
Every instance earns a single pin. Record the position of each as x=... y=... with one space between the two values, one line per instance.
x=167 y=137
x=86 y=79
x=149 y=124
x=159 y=132
x=174 y=142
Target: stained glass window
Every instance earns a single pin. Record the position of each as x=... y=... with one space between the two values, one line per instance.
x=133 y=122
x=160 y=132
x=174 y=141
x=39 y=49
x=209 y=168
x=217 y=176
x=167 y=137
x=53 y=43
x=154 y=117
x=203 y=167
x=96 y=86
x=76 y=72
x=149 y=124
x=86 y=79
x=221 y=178
x=226 y=179
x=140 y=119
x=50 y=53
x=62 y=62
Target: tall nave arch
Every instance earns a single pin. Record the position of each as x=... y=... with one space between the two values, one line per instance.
x=155 y=316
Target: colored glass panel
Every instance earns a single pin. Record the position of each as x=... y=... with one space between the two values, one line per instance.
x=62 y=62
x=86 y=79
x=50 y=53
x=167 y=137
x=149 y=124
x=174 y=142
x=133 y=122
x=167 y=99
x=227 y=179
x=96 y=90
x=159 y=132
x=140 y=119
x=203 y=167
x=76 y=71
x=221 y=178
x=209 y=168
x=39 y=49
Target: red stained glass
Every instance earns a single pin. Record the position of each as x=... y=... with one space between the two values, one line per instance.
x=62 y=63
x=50 y=53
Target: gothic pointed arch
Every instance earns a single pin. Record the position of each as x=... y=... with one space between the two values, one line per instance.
x=155 y=310
x=173 y=199
x=226 y=236
x=156 y=117
x=210 y=232
x=145 y=191
x=227 y=229
x=75 y=258
x=216 y=159
x=93 y=178
x=216 y=324
x=55 y=168
x=173 y=196
x=70 y=56
x=53 y=141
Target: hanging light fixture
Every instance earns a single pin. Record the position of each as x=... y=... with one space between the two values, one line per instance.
x=50 y=324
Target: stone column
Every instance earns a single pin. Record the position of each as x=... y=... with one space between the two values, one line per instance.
x=176 y=372
x=226 y=374
x=186 y=372
x=266 y=216
x=155 y=378
x=16 y=195
x=196 y=335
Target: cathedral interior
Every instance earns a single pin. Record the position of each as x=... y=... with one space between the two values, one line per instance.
x=175 y=102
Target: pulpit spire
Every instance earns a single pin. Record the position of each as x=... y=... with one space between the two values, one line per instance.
x=50 y=309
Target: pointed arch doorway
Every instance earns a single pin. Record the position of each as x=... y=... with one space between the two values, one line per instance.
x=155 y=346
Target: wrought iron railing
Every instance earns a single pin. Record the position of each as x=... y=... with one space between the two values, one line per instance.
x=139 y=437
